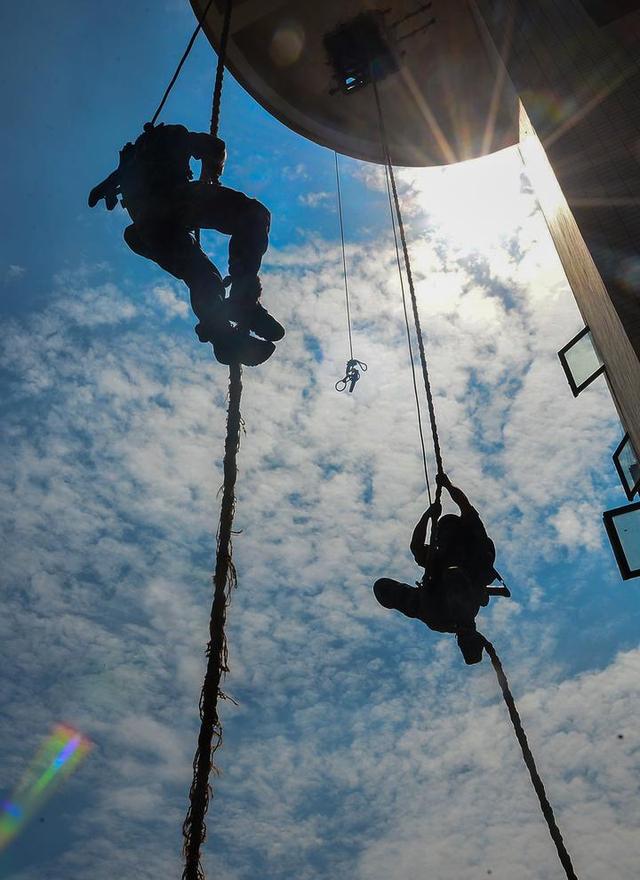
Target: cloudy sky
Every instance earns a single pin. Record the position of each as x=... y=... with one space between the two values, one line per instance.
x=358 y=745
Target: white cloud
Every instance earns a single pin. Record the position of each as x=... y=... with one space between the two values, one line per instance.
x=361 y=744
x=175 y=305
x=14 y=272
x=295 y=172
x=316 y=199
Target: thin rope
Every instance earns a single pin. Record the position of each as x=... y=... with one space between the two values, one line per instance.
x=186 y=54
x=224 y=580
x=344 y=255
x=194 y=828
x=414 y=303
x=547 y=810
x=409 y=343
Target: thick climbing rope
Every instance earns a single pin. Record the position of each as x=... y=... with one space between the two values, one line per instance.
x=409 y=342
x=222 y=57
x=547 y=810
x=414 y=303
x=224 y=580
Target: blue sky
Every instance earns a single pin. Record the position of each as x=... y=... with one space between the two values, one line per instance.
x=360 y=746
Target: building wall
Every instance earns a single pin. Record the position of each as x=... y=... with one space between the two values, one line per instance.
x=580 y=86
x=594 y=302
x=606 y=11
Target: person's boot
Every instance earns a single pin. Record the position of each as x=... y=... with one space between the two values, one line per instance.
x=211 y=311
x=471 y=644
x=243 y=306
x=237 y=346
x=230 y=344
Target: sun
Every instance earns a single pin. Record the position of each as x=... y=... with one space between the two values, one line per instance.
x=474 y=205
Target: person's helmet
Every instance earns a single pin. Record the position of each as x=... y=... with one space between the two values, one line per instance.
x=448 y=521
x=447 y=531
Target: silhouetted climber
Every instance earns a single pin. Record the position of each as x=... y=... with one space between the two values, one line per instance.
x=155 y=183
x=458 y=561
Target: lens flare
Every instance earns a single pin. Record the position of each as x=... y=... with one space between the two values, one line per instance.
x=63 y=750
x=629 y=274
x=287 y=44
x=550 y=110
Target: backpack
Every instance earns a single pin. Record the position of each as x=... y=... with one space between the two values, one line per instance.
x=479 y=554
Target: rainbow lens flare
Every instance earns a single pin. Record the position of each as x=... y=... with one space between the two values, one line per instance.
x=63 y=750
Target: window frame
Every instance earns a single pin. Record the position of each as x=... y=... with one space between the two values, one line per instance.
x=562 y=355
x=616 y=545
x=630 y=493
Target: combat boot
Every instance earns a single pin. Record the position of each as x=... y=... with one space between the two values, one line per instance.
x=238 y=346
x=244 y=308
x=471 y=644
x=209 y=305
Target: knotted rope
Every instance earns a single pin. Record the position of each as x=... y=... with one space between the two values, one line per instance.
x=545 y=806
x=224 y=580
x=222 y=57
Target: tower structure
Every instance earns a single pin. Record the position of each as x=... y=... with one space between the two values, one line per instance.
x=575 y=65
x=462 y=78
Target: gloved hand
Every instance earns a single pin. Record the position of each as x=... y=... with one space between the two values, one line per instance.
x=443 y=480
x=213 y=164
x=106 y=190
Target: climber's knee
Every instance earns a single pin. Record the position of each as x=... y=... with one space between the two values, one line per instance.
x=400 y=597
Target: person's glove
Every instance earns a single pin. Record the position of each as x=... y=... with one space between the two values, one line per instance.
x=106 y=190
x=213 y=165
x=443 y=480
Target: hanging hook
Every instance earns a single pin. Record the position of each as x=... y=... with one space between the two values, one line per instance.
x=351 y=376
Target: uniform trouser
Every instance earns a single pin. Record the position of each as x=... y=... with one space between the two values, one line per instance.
x=247 y=221
x=176 y=251
x=446 y=606
x=450 y=606
x=161 y=232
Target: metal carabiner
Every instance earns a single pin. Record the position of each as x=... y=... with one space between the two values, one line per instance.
x=351 y=376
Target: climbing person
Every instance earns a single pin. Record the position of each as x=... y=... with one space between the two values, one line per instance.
x=154 y=182
x=458 y=561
